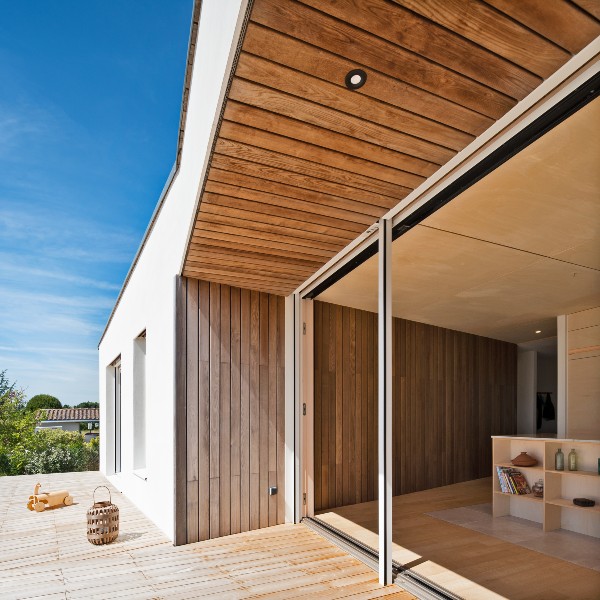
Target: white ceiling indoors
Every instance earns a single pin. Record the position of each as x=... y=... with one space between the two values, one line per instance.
x=508 y=255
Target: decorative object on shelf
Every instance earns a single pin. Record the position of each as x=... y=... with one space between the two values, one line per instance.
x=559 y=460
x=102 y=520
x=512 y=481
x=524 y=460
x=40 y=501
x=538 y=488
x=572 y=460
x=586 y=502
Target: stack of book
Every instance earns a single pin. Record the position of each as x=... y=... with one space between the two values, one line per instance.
x=512 y=481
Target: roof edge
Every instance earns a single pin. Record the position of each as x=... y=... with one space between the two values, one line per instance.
x=175 y=169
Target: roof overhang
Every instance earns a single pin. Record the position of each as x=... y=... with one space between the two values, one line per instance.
x=302 y=166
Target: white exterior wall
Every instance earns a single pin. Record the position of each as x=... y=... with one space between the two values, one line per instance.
x=148 y=301
x=73 y=426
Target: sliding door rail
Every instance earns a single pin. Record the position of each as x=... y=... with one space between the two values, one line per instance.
x=416 y=584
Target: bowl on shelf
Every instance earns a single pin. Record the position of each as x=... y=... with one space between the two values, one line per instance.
x=524 y=460
x=583 y=502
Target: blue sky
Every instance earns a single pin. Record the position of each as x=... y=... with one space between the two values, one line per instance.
x=89 y=113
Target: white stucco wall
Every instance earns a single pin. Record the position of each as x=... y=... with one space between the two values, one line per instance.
x=148 y=302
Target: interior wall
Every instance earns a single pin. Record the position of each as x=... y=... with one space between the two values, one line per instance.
x=583 y=375
x=230 y=410
x=451 y=392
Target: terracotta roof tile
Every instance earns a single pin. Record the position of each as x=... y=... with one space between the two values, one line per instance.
x=71 y=414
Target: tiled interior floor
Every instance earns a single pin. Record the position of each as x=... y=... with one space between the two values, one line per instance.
x=574 y=547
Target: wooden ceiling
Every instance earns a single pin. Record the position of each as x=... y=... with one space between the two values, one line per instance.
x=302 y=165
x=510 y=253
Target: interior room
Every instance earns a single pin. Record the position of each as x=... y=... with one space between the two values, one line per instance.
x=496 y=334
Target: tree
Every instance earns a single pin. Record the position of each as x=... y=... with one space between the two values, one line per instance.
x=88 y=405
x=24 y=451
x=17 y=428
x=43 y=401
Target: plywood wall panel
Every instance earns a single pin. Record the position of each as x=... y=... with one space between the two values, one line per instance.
x=451 y=392
x=230 y=410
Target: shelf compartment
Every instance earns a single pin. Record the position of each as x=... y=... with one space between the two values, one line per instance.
x=523 y=496
x=537 y=467
x=581 y=473
x=566 y=503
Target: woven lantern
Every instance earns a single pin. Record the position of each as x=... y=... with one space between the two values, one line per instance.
x=102 y=520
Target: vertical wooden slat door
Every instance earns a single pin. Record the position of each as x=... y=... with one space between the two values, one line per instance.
x=229 y=410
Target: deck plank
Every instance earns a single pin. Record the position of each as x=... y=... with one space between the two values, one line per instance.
x=47 y=556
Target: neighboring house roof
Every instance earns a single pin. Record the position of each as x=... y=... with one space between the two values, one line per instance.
x=70 y=414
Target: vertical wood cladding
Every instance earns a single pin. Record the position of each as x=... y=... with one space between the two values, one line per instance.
x=229 y=410
x=451 y=392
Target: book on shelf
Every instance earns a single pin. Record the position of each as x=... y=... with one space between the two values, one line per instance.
x=512 y=481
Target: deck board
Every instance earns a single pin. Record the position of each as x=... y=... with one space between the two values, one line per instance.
x=47 y=556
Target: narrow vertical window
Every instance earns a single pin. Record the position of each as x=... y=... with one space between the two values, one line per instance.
x=139 y=401
x=117 y=413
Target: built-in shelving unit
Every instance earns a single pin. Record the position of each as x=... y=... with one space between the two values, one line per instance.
x=556 y=509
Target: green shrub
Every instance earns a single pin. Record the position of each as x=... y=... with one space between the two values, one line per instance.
x=57 y=451
x=88 y=405
x=43 y=401
x=25 y=451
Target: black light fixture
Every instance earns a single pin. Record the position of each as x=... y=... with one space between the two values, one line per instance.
x=355 y=79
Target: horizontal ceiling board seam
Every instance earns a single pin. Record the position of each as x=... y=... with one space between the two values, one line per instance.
x=200 y=245
x=371 y=70
x=526 y=27
x=240 y=163
x=469 y=40
x=233 y=229
x=249 y=92
x=375 y=51
x=371 y=122
x=315 y=177
x=244 y=241
x=324 y=219
x=244 y=222
x=425 y=58
x=356 y=167
x=325 y=143
x=546 y=256
x=254 y=274
x=199 y=249
x=411 y=114
x=273 y=268
x=329 y=200
x=350 y=158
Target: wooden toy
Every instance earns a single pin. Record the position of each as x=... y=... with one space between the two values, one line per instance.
x=40 y=501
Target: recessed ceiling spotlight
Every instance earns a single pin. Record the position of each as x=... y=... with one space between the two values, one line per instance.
x=355 y=79
x=539 y=331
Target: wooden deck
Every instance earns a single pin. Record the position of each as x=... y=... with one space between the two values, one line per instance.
x=47 y=555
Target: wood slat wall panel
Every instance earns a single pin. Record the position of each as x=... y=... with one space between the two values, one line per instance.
x=451 y=392
x=230 y=410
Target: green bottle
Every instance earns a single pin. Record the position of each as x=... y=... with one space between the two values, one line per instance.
x=559 y=460
x=572 y=460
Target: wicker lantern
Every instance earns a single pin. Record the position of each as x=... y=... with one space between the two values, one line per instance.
x=102 y=521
